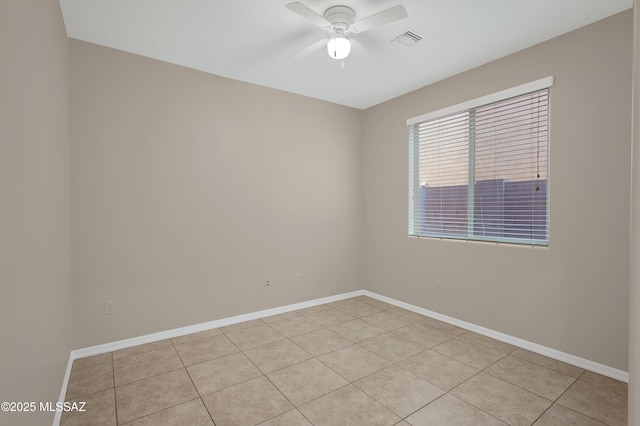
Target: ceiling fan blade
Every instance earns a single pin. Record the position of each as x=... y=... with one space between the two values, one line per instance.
x=386 y=16
x=310 y=49
x=356 y=45
x=308 y=14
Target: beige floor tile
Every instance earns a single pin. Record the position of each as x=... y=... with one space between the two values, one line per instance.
x=468 y=352
x=503 y=347
x=439 y=370
x=444 y=326
x=99 y=410
x=254 y=336
x=321 y=341
x=340 y=303
x=280 y=317
x=90 y=379
x=192 y=413
x=392 y=347
x=423 y=334
x=596 y=402
x=348 y=406
x=547 y=383
x=550 y=363
x=451 y=411
x=314 y=309
x=277 y=355
x=147 y=396
x=306 y=381
x=201 y=350
x=409 y=314
x=361 y=298
x=400 y=391
x=359 y=309
x=357 y=330
x=92 y=360
x=502 y=400
x=605 y=382
x=136 y=367
x=248 y=403
x=388 y=320
x=378 y=303
x=196 y=336
x=353 y=362
x=517 y=387
x=558 y=415
x=140 y=349
x=329 y=317
x=290 y=418
x=229 y=370
x=242 y=325
x=295 y=326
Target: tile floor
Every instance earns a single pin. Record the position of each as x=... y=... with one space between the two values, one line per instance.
x=358 y=361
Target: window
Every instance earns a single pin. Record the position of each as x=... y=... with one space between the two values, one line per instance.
x=479 y=170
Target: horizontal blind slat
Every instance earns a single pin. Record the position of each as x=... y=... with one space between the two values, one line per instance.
x=510 y=167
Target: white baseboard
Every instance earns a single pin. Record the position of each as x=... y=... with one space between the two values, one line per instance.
x=176 y=332
x=63 y=391
x=605 y=370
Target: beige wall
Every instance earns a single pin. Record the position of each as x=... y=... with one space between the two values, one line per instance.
x=188 y=189
x=572 y=296
x=634 y=283
x=35 y=312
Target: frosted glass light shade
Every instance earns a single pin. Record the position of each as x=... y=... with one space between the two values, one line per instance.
x=338 y=47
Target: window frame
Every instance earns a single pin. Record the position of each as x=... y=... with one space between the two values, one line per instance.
x=414 y=166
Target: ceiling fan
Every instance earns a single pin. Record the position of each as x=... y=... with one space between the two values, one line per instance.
x=338 y=22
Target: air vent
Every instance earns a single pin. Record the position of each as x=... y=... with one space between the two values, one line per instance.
x=409 y=38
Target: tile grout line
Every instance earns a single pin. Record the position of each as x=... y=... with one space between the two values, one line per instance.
x=156 y=375
x=348 y=382
x=392 y=364
x=497 y=378
x=575 y=379
x=192 y=382
x=556 y=370
x=569 y=408
x=397 y=364
x=115 y=395
x=465 y=381
x=313 y=357
x=339 y=308
x=265 y=375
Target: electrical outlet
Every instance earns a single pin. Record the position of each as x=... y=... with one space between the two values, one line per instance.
x=267 y=283
x=438 y=285
x=109 y=307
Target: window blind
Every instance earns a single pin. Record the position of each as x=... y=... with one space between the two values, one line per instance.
x=481 y=173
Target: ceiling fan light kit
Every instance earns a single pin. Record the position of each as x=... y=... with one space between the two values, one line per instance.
x=339 y=22
x=340 y=18
x=338 y=46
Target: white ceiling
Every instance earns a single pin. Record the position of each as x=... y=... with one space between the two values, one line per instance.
x=252 y=40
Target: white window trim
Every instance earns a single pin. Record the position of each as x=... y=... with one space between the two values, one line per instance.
x=533 y=86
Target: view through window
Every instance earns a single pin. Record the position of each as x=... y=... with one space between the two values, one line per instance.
x=482 y=173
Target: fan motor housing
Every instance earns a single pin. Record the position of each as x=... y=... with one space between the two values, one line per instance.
x=340 y=17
